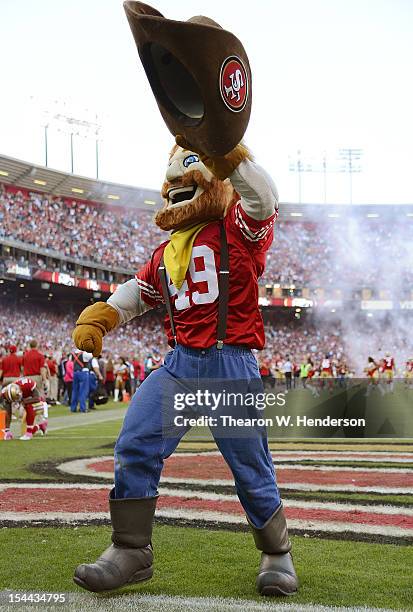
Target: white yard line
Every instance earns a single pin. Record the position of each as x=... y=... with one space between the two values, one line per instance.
x=71 y=467
x=341 y=452
x=79 y=420
x=211 y=516
x=89 y=602
x=70 y=420
x=191 y=514
x=341 y=468
x=79 y=467
x=209 y=496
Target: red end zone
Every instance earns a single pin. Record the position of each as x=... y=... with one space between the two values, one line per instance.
x=210 y=469
x=191 y=491
x=70 y=503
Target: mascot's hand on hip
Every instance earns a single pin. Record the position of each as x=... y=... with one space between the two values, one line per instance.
x=94 y=322
x=221 y=167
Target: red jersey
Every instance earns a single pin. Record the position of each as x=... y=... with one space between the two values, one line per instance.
x=372 y=369
x=137 y=369
x=32 y=362
x=388 y=363
x=110 y=376
x=27 y=385
x=11 y=366
x=52 y=367
x=195 y=305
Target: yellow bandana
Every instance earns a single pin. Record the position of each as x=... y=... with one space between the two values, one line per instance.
x=178 y=252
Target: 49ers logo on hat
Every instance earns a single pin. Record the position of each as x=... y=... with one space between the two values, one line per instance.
x=233 y=83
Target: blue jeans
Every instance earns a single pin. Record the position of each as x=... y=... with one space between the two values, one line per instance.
x=80 y=390
x=142 y=446
x=93 y=385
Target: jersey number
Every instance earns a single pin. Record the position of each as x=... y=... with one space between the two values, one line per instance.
x=207 y=275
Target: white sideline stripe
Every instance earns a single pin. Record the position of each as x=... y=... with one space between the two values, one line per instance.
x=208 y=496
x=83 y=463
x=293 y=503
x=52 y=485
x=65 y=437
x=341 y=452
x=79 y=467
x=66 y=517
x=386 y=455
x=76 y=424
x=294 y=486
x=344 y=456
x=212 y=516
x=213 y=604
x=175 y=603
x=310 y=525
x=216 y=453
x=343 y=459
x=291 y=486
x=339 y=468
x=341 y=507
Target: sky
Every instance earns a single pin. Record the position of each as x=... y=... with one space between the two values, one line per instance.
x=327 y=75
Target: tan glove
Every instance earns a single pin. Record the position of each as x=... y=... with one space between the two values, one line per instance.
x=94 y=322
x=221 y=167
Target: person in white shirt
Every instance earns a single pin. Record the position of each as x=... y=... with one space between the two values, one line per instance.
x=288 y=371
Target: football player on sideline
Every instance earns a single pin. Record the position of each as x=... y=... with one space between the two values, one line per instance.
x=408 y=374
x=24 y=391
x=389 y=368
x=10 y=395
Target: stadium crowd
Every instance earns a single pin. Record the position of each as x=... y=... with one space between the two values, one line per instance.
x=120 y=238
x=334 y=253
x=144 y=337
x=53 y=331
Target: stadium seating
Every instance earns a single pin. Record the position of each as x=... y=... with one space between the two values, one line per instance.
x=145 y=335
x=326 y=254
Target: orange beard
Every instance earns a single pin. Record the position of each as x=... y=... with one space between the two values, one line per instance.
x=209 y=206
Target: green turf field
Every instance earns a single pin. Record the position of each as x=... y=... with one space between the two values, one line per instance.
x=21 y=461
x=197 y=562
x=386 y=416
x=79 y=440
x=193 y=562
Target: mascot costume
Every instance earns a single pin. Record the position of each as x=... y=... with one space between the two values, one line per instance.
x=220 y=208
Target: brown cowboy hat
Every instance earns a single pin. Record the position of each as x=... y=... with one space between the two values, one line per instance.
x=199 y=74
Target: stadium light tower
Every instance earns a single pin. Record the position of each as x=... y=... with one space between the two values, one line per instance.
x=55 y=114
x=300 y=164
x=352 y=164
x=296 y=165
x=324 y=164
x=83 y=128
x=46 y=118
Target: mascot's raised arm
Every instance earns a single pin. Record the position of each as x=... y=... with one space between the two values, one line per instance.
x=220 y=207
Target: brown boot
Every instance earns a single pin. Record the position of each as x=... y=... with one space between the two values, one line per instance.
x=276 y=575
x=129 y=558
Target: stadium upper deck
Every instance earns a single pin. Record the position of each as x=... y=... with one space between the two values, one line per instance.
x=75 y=231
x=57 y=183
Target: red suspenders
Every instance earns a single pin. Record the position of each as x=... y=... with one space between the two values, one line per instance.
x=223 y=296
